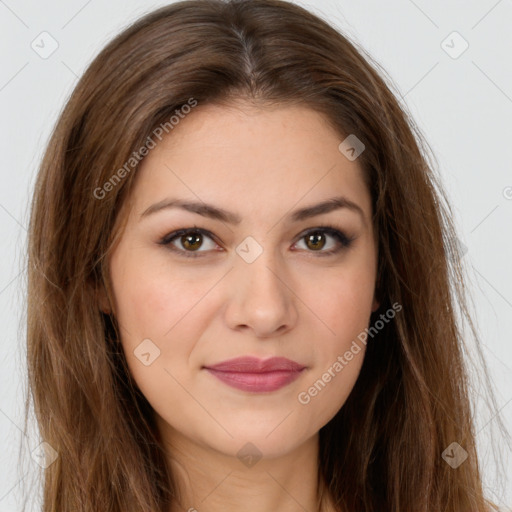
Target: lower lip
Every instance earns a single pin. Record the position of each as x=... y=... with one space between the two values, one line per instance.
x=256 y=382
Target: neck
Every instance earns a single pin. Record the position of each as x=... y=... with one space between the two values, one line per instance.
x=211 y=480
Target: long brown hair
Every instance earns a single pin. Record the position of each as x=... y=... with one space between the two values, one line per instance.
x=382 y=451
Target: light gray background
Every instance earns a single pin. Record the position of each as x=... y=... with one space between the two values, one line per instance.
x=463 y=106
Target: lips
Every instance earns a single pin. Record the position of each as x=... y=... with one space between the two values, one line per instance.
x=256 y=375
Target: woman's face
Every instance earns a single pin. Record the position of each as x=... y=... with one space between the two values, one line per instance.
x=257 y=279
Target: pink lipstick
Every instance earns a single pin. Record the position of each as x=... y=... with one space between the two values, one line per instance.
x=256 y=375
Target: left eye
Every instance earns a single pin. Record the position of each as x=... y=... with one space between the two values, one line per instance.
x=316 y=240
x=192 y=239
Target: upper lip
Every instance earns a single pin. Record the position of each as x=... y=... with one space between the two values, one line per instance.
x=251 y=364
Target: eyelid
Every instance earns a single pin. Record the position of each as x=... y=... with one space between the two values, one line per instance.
x=170 y=237
x=344 y=240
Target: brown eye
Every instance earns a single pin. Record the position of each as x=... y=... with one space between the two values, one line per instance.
x=188 y=242
x=192 y=240
x=315 y=240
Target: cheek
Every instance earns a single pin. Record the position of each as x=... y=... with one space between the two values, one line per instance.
x=155 y=302
x=154 y=308
x=328 y=390
x=338 y=353
x=151 y=298
x=343 y=303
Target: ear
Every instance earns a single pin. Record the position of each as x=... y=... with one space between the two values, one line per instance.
x=375 y=304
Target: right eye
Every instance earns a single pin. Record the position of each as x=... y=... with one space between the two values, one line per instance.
x=190 y=239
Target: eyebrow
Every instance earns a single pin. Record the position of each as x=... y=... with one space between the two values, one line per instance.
x=213 y=212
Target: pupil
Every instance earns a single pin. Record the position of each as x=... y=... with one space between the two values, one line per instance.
x=314 y=237
x=192 y=241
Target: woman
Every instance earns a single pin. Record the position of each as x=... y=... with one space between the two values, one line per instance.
x=243 y=280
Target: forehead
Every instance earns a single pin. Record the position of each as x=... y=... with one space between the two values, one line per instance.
x=242 y=156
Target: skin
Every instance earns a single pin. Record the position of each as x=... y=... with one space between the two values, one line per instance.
x=261 y=164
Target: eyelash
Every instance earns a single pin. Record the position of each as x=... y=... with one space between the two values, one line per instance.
x=344 y=240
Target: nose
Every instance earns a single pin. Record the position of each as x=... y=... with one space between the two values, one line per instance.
x=260 y=298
